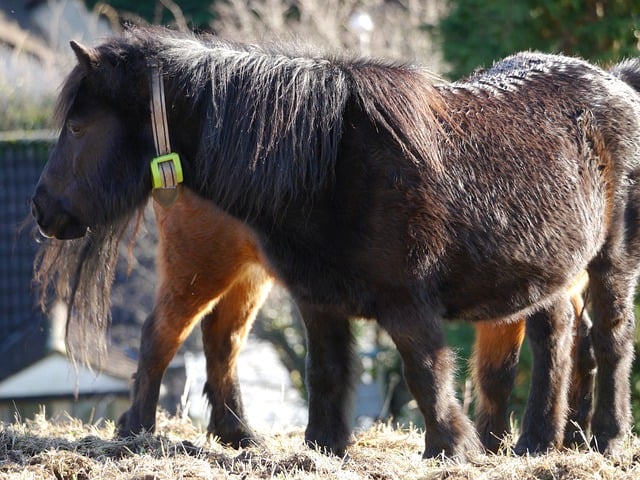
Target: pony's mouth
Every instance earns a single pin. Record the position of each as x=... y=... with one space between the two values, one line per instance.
x=67 y=233
x=56 y=224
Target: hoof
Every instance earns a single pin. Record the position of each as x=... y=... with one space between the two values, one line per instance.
x=328 y=450
x=464 y=451
x=238 y=439
x=607 y=445
x=531 y=446
x=456 y=442
x=329 y=441
x=575 y=437
x=490 y=441
x=125 y=428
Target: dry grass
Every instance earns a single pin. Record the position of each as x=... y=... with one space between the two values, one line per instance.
x=66 y=449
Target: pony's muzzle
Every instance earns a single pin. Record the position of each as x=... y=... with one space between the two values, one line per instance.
x=52 y=219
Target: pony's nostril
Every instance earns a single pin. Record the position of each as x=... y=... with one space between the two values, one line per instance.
x=35 y=210
x=38 y=201
x=39 y=217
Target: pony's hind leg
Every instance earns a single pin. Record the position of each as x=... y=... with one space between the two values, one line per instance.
x=613 y=275
x=611 y=291
x=493 y=364
x=224 y=332
x=583 y=376
x=550 y=335
x=330 y=379
x=418 y=334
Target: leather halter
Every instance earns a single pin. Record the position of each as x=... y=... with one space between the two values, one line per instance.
x=166 y=170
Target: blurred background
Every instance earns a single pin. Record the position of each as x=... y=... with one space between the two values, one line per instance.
x=450 y=37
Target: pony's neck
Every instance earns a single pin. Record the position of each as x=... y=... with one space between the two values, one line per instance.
x=185 y=124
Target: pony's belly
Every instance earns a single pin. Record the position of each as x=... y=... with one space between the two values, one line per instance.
x=494 y=309
x=507 y=275
x=504 y=295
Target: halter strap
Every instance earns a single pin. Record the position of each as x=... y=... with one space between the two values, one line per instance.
x=166 y=170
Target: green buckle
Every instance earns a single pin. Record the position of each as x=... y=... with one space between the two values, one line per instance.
x=166 y=171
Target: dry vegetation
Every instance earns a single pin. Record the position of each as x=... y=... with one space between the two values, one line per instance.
x=66 y=449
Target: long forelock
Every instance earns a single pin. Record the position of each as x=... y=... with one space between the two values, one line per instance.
x=67 y=96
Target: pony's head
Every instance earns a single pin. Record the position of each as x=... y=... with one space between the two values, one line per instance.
x=96 y=180
x=98 y=171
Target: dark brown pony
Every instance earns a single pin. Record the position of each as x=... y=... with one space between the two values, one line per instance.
x=375 y=191
x=210 y=268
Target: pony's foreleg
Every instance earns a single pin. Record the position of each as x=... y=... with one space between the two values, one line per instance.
x=418 y=334
x=493 y=364
x=224 y=332
x=330 y=379
x=550 y=335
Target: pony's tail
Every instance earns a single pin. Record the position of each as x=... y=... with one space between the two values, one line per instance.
x=629 y=72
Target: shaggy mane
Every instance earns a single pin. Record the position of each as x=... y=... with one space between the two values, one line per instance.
x=274 y=114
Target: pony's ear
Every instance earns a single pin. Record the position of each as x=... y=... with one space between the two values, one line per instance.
x=87 y=57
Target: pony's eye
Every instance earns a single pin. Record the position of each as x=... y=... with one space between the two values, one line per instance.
x=75 y=128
